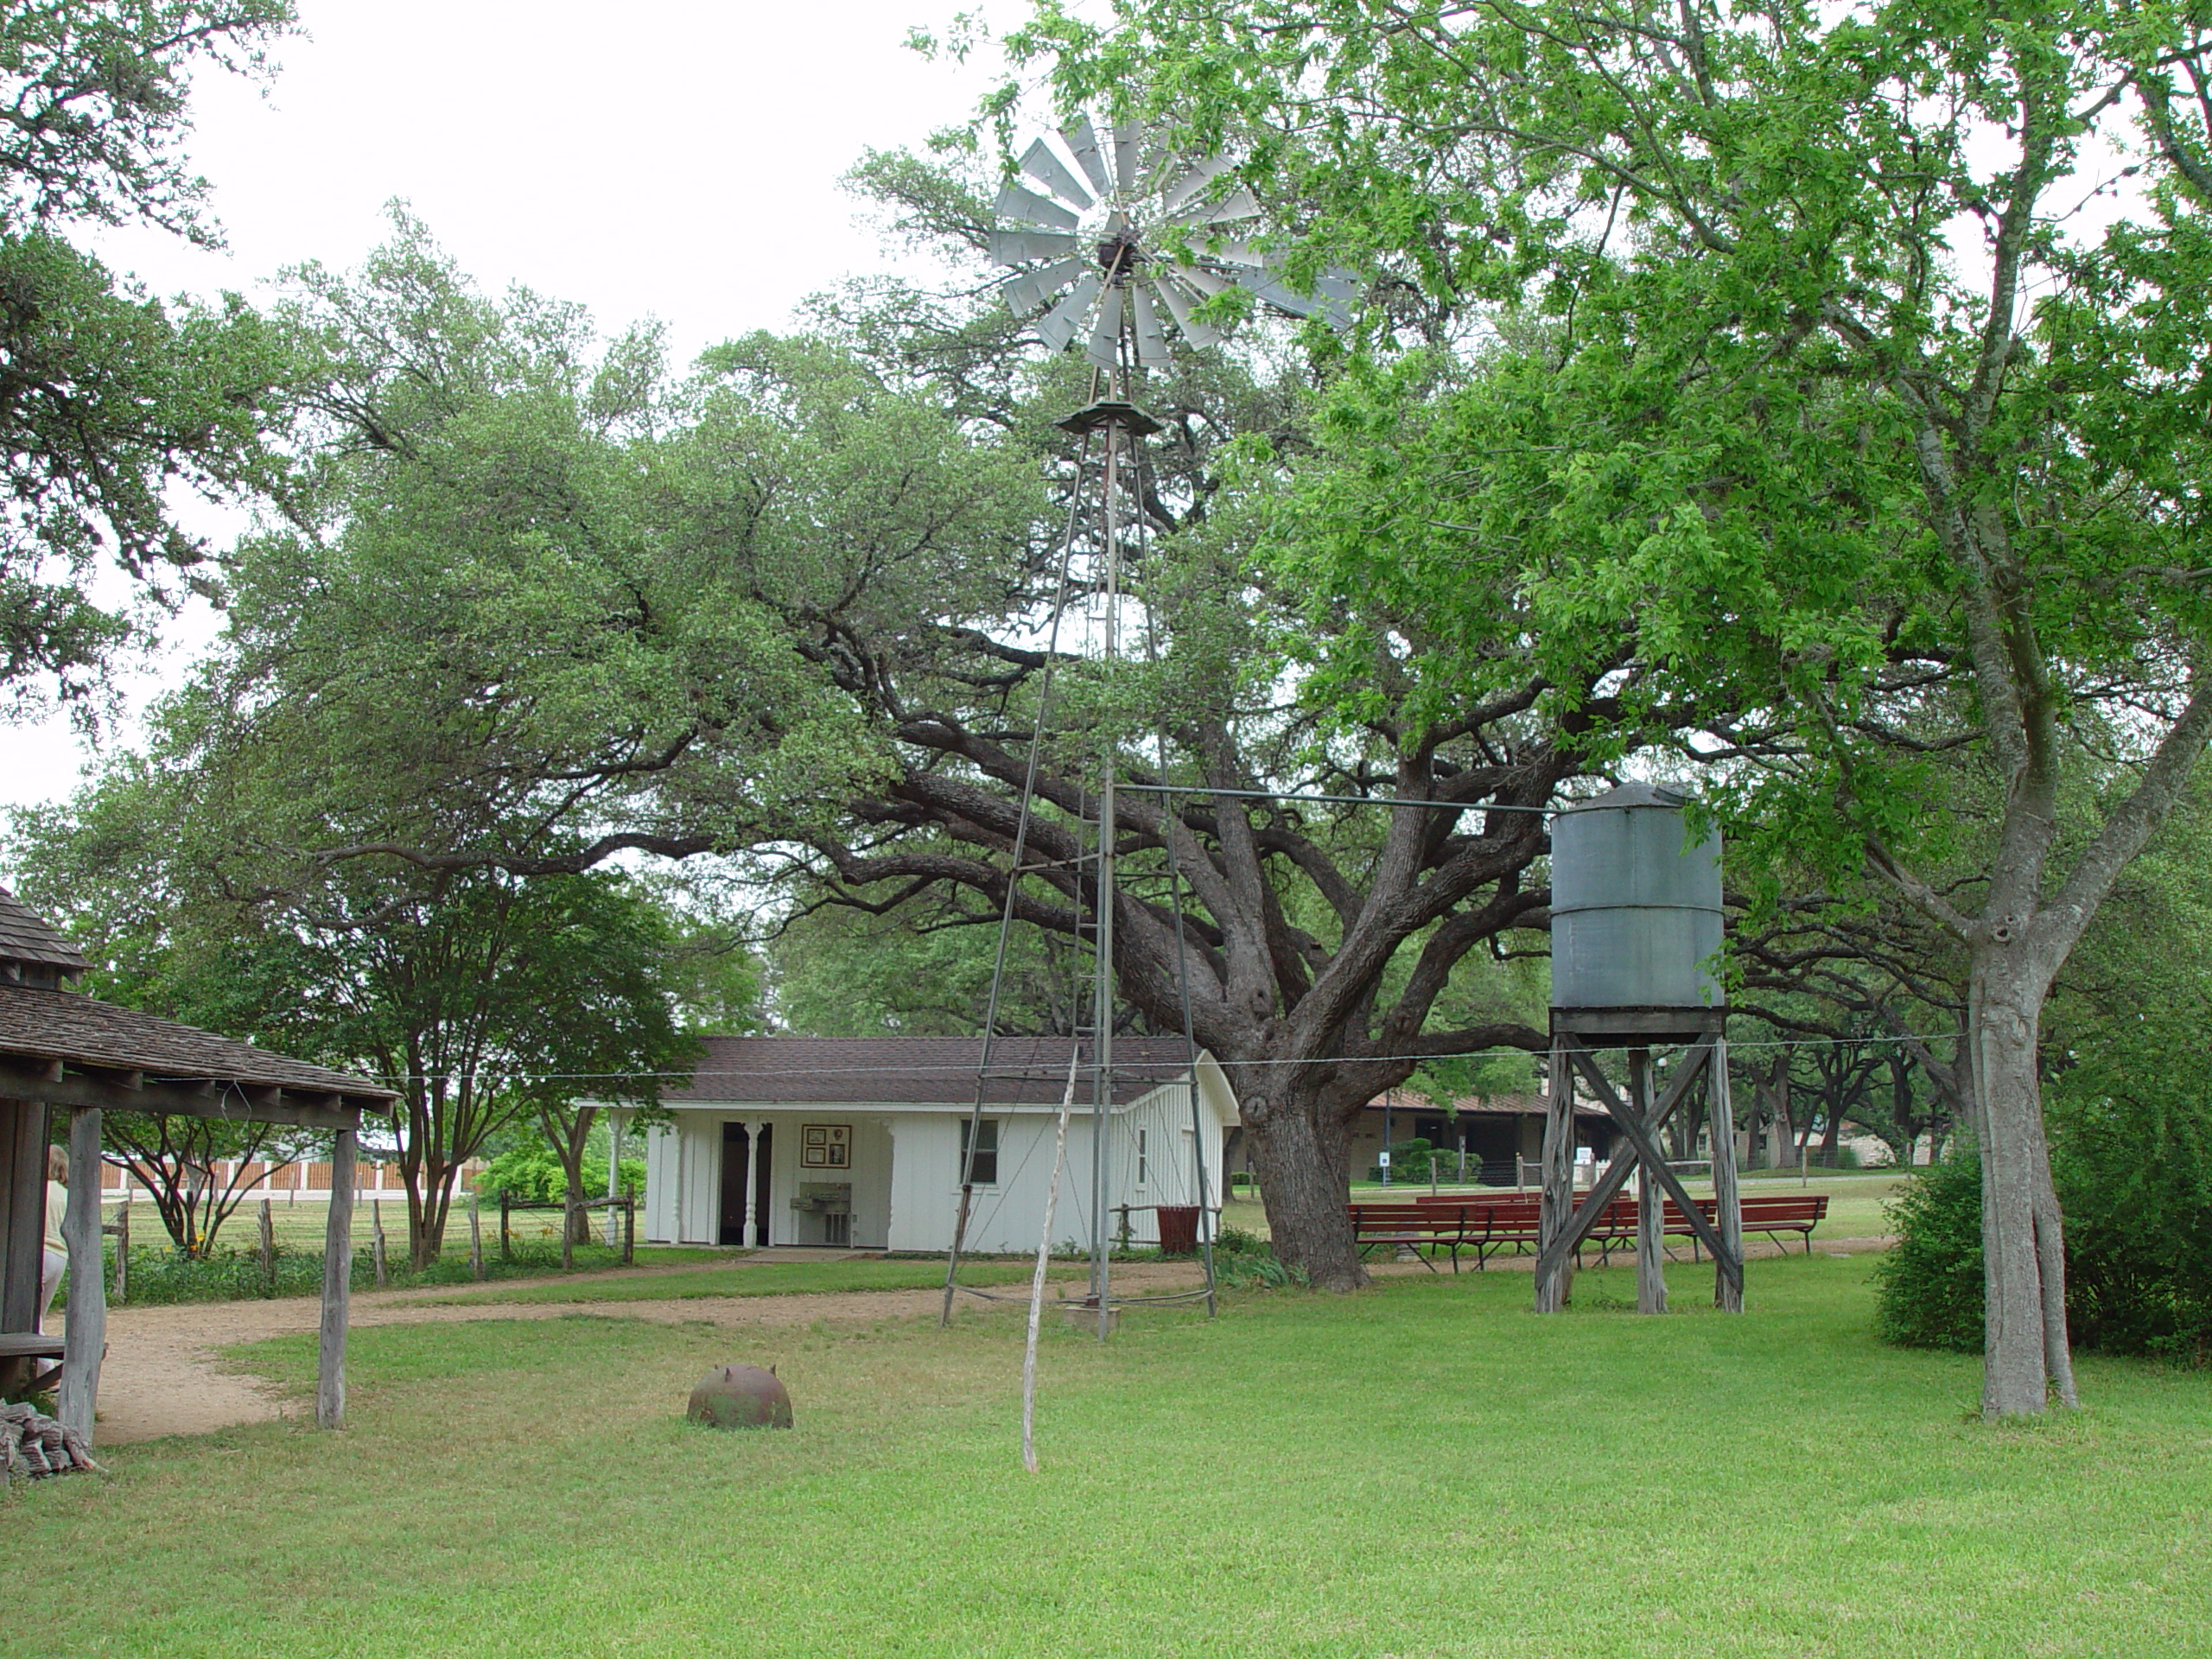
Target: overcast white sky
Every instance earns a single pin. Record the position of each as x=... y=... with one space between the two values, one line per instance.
x=672 y=158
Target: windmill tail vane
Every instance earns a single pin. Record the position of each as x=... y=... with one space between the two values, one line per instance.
x=1098 y=240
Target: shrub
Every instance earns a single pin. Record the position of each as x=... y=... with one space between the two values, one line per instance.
x=2134 y=1170
x=530 y=1174
x=2135 y=1186
x=1409 y=1161
x=1929 y=1286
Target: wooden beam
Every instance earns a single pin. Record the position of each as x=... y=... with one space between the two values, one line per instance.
x=1651 y=1213
x=1557 y=1208
x=1561 y=1249
x=1727 y=1203
x=84 y=1334
x=337 y=1285
x=23 y=1210
x=1639 y=1135
x=25 y=1079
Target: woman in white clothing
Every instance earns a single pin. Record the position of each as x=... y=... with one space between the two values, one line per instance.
x=57 y=1253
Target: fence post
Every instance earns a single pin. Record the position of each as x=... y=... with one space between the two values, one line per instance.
x=568 y=1233
x=506 y=1243
x=475 y=1240
x=268 y=1247
x=629 y=1223
x=123 y=1244
x=376 y=1241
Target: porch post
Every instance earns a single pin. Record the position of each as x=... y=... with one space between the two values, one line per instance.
x=754 y=1230
x=337 y=1283
x=85 y=1331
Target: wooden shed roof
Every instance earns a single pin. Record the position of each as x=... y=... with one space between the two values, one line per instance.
x=26 y=936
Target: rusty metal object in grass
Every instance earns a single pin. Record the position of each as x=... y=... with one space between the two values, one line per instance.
x=740 y=1396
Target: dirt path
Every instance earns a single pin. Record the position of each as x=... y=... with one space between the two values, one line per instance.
x=164 y=1373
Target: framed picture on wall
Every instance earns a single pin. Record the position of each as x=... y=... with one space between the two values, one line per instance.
x=825 y=1146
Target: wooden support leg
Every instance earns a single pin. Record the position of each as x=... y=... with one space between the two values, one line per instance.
x=1650 y=1199
x=1728 y=1208
x=1554 y=1286
x=337 y=1284
x=85 y=1330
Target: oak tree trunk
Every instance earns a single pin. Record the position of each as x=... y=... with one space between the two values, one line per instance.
x=1297 y=1149
x=2026 y=1356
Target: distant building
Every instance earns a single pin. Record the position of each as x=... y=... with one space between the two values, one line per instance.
x=859 y=1141
x=1491 y=1131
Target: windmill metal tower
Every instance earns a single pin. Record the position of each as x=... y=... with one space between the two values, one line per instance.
x=1112 y=242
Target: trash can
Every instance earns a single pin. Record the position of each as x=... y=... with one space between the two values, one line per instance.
x=1179 y=1229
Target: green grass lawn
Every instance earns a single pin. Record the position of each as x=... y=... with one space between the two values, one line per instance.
x=1424 y=1469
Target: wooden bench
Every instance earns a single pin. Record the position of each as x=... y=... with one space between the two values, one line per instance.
x=1515 y=1221
x=1798 y=1214
x=19 y=1350
x=1418 y=1227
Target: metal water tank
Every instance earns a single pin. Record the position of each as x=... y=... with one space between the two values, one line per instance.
x=1635 y=913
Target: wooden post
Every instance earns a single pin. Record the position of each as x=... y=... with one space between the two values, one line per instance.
x=1651 y=1198
x=629 y=1224
x=507 y=1242
x=475 y=1240
x=568 y=1213
x=1727 y=1202
x=337 y=1284
x=1552 y=1288
x=123 y=1243
x=376 y=1240
x=268 y=1247
x=85 y=1330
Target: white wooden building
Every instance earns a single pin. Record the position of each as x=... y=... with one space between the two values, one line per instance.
x=858 y=1141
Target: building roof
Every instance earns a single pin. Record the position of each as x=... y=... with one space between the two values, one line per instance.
x=1404 y=1100
x=917 y=1071
x=46 y=1025
x=26 y=936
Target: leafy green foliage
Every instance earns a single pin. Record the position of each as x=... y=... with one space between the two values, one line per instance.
x=107 y=400
x=1931 y=1281
x=533 y=1173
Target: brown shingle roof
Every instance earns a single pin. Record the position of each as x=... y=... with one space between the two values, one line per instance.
x=67 y=1025
x=26 y=936
x=920 y=1070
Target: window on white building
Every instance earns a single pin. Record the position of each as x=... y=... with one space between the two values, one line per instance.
x=1144 y=1157
x=984 y=1171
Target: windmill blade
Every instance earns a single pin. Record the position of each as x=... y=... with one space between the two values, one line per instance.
x=1049 y=170
x=1128 y=139
x=1231 y=251
x=1205 y=282
x=1179 y=306
x=1152 y=345
x=1083 y=139
x=1019 y=247
x=1201 y=175
x=1106 y=333
x=1026 y=292
x=1029 y=208
x=1059 y=326
x=1275 y=294
x=1340 y=286
x=1240 y=204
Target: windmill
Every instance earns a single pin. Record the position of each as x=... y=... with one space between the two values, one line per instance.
x=1114 y=243
x=1132 y=238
